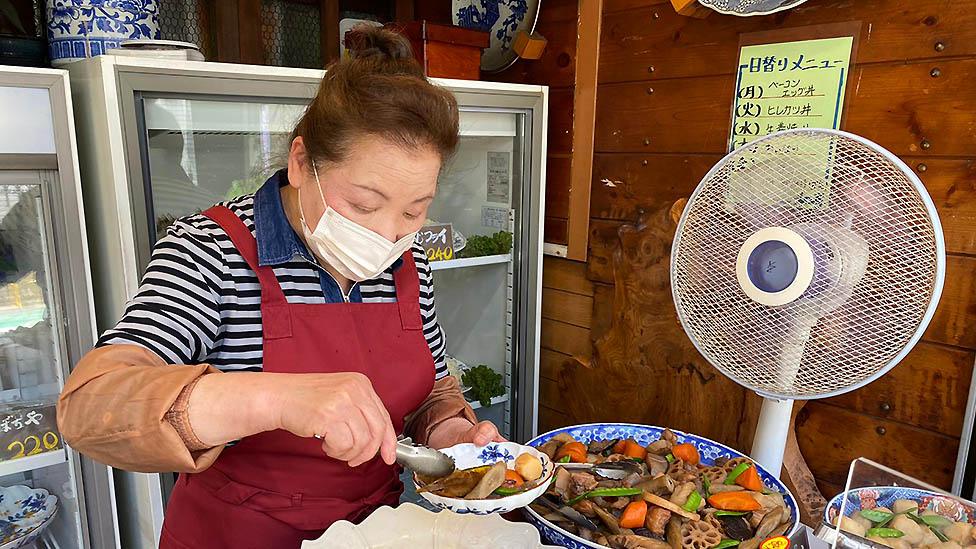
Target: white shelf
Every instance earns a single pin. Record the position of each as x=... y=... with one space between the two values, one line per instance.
x=497 y=400
x=33 y=462
x=470 y=262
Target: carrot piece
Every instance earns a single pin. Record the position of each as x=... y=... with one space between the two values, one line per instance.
x=514 y=478
x=634 y=515
x=734 y=501
x=575 y=450
x=618 y=448
x=686 y=453
x=749 y=479
x=634 y=450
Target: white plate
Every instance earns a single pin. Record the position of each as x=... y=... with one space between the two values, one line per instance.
x=24 y=513
x=412 y=527
x=468 y=455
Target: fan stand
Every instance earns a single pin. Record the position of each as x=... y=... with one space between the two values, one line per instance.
x=772 y=431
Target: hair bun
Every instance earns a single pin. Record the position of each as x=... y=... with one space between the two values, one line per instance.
x=368 y=41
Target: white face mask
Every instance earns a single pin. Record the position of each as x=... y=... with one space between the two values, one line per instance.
x=356 y=252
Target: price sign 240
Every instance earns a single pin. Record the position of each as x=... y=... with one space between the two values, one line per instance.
x=438 y=241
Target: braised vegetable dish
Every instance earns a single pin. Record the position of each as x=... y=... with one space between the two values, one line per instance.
x=659 y=496
x=904 y=527
x=487 y=481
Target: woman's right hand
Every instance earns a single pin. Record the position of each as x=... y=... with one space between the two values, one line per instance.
x=342 y=408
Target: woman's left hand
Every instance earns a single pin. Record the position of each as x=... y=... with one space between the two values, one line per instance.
x=459 y=430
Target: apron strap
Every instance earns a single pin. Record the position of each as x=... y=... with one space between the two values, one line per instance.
x=407 y=282
x=247 y=246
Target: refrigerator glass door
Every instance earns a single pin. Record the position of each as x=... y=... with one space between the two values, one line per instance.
x=479 y=194
x=32 y=360
x=201 y=151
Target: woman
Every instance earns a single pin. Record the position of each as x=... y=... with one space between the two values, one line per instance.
x=312 y=298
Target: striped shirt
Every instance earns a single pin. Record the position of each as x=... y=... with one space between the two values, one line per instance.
x=199 y=302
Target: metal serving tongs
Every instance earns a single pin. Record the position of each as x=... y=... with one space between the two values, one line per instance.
x=572 y=514
x=615 y=470
x=422 y=459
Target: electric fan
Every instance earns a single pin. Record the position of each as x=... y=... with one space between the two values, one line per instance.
x=806 y=264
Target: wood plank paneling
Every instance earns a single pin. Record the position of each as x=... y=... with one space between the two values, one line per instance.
x=676 y=118
x=952 y=184
x=624 y=185
x=555 y=230
x=550 y=419
x=567 y=307
x=895 y=105
x=556 y=67
x=620 y=5
x=557 y=185
x=899 y=106
x=251 y=41
x=928 y=389
x=228 y=32
x=602 y=310
x=560 y=121
x=566 y=338
x=678 y=46
x=687 y=115
x=603 y=240
x=829 y=489
x=954 y=322
x=584 y=120
x=550 y=395
x=830 y=437
x=569 y=276
x=552 y=363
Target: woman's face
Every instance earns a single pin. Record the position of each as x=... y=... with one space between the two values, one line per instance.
x=381 y=186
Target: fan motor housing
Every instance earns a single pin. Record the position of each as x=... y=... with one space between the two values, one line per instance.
x=774 y=266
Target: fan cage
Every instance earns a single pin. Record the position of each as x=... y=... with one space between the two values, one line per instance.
x=852 y=344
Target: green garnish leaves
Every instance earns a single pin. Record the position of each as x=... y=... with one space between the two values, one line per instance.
x=734 y=474
x=876 y=516
x=884 y=533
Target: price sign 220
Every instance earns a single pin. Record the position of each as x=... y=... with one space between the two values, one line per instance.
x=28 y=431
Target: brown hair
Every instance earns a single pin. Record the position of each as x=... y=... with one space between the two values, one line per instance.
x=379 y=89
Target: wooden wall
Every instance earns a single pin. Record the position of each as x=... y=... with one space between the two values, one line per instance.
x=556 y=69
x=662 y=120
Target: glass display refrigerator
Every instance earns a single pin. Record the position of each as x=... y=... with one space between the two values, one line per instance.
x=50 y=496
x=165 y=139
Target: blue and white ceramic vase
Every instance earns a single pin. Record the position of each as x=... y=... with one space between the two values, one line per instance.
x=78 y=29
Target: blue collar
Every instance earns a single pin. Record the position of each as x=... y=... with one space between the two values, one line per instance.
x=277 y=241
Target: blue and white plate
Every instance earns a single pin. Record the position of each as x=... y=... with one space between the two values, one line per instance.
x=644 y=435
x=885 y=496
x=24 y=513
x=746 y=8
x=468 y=455
x=502 y=19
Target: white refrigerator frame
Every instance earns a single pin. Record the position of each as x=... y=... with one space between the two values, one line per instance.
x=106 y=88
x=72 y=292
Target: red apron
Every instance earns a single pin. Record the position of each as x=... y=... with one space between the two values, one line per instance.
x=275 y=489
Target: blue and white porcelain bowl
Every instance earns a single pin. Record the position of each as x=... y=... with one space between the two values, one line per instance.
x=24 y=513
x=644 y=435
x=501 y=19
x=884 y=496
x=468 y=455
x=78 y=29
